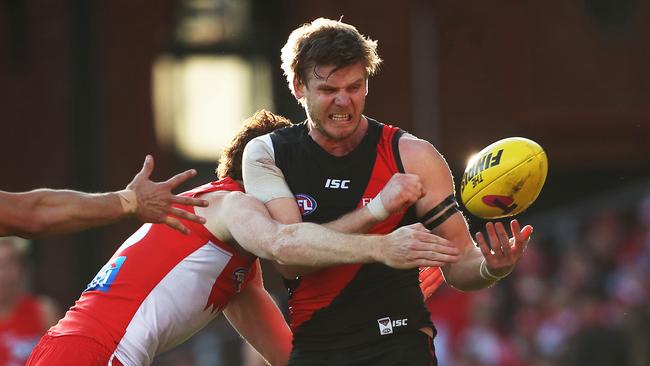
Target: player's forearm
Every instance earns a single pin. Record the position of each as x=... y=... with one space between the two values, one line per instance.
x=357 y=221
x=308 y=244
x=465 y=274
x=63 y=211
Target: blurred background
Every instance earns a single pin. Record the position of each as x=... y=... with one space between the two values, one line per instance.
x=89 y=87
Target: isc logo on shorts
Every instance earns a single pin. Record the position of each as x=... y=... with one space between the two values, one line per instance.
x=106 y=275
x=306 y=204
x=386 y=325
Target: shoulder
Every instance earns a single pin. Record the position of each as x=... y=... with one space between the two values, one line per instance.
x=263 y=148
x=226 y=202
x=414 y=151
x=216 y=199
x=224 y=206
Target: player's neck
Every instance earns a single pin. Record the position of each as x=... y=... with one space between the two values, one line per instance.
x=340 y=147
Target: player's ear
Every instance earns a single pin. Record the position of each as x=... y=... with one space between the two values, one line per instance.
x=298 y=88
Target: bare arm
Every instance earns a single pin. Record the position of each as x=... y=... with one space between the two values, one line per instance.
x=438 y=184
x=46 y=212
x=257 y=318
x=244 y=219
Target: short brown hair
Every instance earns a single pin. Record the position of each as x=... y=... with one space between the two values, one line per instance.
x=327 y=42
x=261 y=123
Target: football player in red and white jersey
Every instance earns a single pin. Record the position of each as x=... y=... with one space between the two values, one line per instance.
x=160 y=286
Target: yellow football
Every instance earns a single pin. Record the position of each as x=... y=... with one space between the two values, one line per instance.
x=504 y=178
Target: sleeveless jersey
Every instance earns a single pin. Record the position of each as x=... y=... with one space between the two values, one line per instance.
x=20 y=331
x=348 y=305
x=159 y=288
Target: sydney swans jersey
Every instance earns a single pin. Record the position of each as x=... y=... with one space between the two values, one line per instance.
x=347 y=305
x=159 y=288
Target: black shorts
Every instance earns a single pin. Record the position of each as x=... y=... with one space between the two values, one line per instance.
x=408 y=349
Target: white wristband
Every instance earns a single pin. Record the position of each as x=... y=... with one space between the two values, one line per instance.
x=377 y=209
x=486 y=275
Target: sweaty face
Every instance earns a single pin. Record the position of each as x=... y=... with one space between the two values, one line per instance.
x=334 y=101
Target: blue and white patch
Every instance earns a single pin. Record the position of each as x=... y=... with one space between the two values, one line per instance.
x=106 y=275
x=306 y=204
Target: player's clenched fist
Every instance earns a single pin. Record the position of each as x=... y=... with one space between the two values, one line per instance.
x=401 y=191
x=414 y=246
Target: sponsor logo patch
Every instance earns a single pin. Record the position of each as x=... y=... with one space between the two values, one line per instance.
x=306 y=204
x=106 y=275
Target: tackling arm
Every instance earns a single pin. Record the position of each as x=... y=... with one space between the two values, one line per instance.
x=244 y=219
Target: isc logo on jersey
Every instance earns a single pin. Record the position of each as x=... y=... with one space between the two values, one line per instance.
x=306 y=204
x=337 y=183
x=106 y=275
x=386 y=325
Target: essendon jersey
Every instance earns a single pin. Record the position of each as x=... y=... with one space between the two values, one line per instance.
x=159 y=288
x=347 y=305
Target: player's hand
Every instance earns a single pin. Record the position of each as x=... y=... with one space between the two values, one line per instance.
x=401 y=191
x=155 y=199
x=414 y=246
x=506 y=251
x=430 y=279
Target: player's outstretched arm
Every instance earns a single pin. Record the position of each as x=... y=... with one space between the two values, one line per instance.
x=438 y=212
x=44 y=212
x=257 y=318
x=154 y=200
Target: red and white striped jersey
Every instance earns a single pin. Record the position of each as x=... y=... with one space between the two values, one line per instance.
x=159 y=288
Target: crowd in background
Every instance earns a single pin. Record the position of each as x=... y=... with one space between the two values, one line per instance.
x=582 y=301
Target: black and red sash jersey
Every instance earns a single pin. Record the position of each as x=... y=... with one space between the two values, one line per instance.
x=347 y=305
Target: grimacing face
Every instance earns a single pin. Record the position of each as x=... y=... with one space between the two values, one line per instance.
x=335 y=102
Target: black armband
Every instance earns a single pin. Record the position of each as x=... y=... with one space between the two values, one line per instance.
x=440 y=219
x=446 y=208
